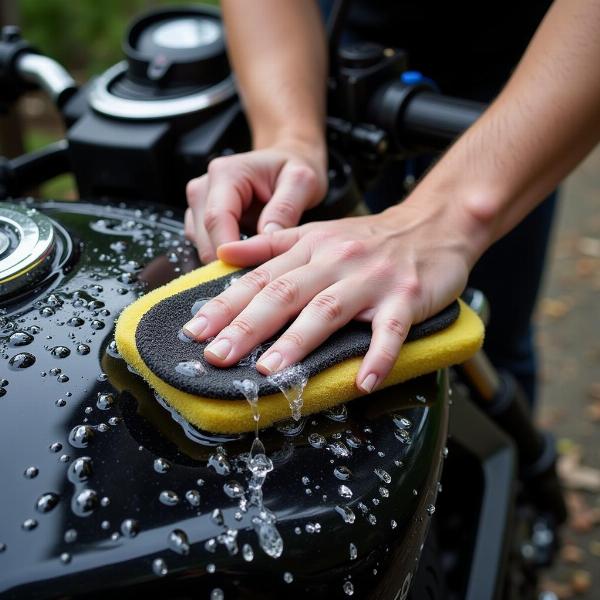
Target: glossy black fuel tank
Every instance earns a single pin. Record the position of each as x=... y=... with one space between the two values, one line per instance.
x=103 y=490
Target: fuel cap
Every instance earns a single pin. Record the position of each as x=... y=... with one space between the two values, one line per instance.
x=27 y=247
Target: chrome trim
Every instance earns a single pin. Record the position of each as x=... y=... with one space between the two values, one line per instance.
x=45 y=72
x=102 y=101
x=27 y=262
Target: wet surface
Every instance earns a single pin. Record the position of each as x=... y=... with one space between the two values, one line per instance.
x=100 y=477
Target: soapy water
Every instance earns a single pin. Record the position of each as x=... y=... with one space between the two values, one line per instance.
x=291 y=382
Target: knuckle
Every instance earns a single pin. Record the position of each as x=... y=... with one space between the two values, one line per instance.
x=222 y=306
x=293 y=337
x=243 y=326
x=285 y=210
x=328 y=306
x=217 y=165
x=351 y=249
x=303 y=175
x=257 y=279
x=411 y=287
x=211 y=219
x=283 y=290
x=387 y=356
x=382 y=270
x=192 y=189
x=395 y=326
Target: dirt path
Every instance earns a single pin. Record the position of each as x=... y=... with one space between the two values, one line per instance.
x=569 y=342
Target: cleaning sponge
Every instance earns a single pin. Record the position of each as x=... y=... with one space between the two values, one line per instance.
x=148 y=338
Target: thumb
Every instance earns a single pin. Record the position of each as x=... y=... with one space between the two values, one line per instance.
x=258 y=249
x=297 y=189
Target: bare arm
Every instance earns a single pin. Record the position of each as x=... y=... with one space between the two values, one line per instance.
x=278 y=51
x=405 y=264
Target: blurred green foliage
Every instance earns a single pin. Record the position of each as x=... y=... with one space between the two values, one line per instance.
x=84 y=35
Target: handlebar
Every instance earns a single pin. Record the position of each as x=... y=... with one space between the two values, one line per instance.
x=47 y=74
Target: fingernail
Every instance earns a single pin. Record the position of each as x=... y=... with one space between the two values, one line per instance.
x=270 y=362
x=272 y=227
x=369 y=382
x=220 y=348
x=196 y=326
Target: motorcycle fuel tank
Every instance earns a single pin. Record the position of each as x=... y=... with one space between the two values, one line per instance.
x=104 y=489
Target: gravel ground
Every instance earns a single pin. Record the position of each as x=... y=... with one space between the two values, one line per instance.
x=569 y=341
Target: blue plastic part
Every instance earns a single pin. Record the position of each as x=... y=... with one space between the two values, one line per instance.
x=412 y=77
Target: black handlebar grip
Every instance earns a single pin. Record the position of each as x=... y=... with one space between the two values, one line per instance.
x=432 y=120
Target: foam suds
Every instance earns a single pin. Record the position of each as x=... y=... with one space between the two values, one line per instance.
x=191 y=368
x=291 y=382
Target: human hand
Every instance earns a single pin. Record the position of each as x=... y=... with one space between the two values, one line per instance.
x=392 y=269
x=283 y=180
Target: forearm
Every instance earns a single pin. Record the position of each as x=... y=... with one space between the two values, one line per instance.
x=278 y=51
x=542 y=124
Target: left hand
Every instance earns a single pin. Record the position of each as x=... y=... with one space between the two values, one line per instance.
x=393 y=269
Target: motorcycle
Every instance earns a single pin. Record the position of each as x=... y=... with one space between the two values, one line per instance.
x=441 y=487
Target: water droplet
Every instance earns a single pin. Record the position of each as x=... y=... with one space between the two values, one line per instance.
x=348 y=588
x=218 y=461
x=31 y=472
x=169 y=498
x=344 y=491
x=84 y=503
x=60 y=402
x=339 y=449
x=288 y=577
x=159 y=567
x=217 y=594
x=210 y=568
x=65 y=558
x=346 y=513
x=393 y=524
x=291 y=382
x=130 y=528
x=342 y=473
x=64 y=458
x=46 y=502
x=178 y=542
x=23 y=360
x=211 y=545
x=430 y=510
x=81 y=436
x=70 y=536
x=75 y=322
x=19 y=338
x=316 y=440
x=247 y=552
x=403 y=436
x=191 y=368
x=46 y=311
x=193 y=497
x=353 y=551
x=29 y=524
x=105 y=525
x=337 y=413
x=55 y=447
x=268 y=537
x=104 y=501
x=383 y=475
x=162 y=465
x=233 y=489
x=62 y=378
x=217 y=517
x=60 y=351
x=384 y=492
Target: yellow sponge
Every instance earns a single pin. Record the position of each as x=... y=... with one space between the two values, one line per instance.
x=332 y=386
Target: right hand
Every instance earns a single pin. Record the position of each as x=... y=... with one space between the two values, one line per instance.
x=271 y=186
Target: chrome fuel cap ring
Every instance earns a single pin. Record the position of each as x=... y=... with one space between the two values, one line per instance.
x=27 y=246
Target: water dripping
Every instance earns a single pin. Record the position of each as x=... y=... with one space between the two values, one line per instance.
x=249 y=389
x=291 y=382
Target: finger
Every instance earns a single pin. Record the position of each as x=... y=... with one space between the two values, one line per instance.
x=196 y=195
x=267 y=313
x=390 y=328
x=188 y=224
x=259 y=248
x=221 y=310
x=296 y=189
x=329 y=310
x=228 y=194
